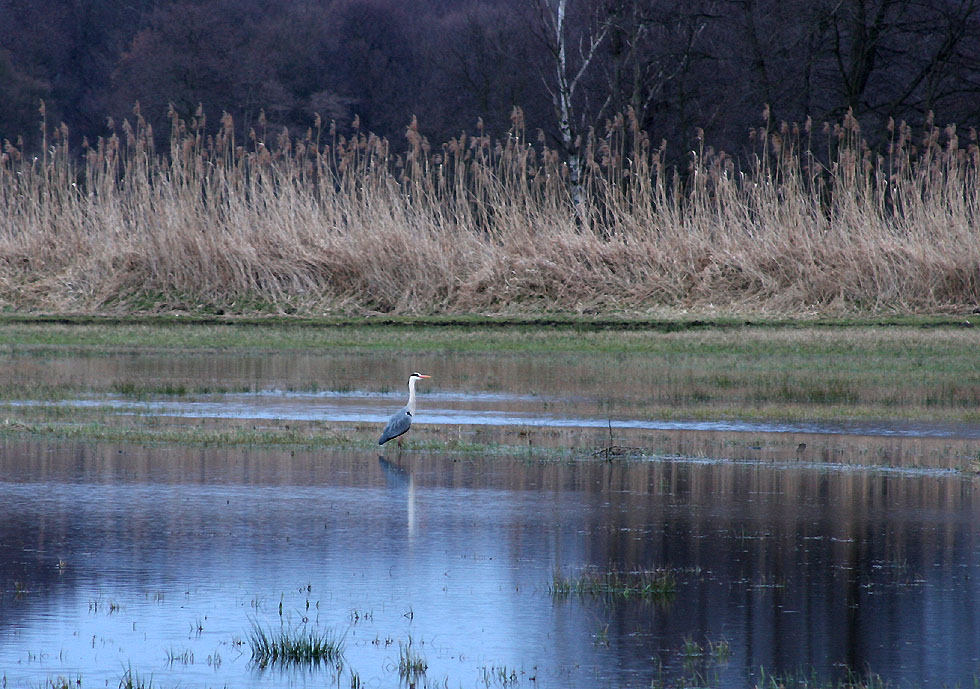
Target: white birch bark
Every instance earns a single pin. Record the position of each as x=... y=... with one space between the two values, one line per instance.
x=565 y=90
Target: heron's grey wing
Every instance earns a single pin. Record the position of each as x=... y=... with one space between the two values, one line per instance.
x=399 y=422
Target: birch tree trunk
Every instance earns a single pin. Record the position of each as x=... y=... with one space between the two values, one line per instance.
x=563 y=104
x=567 y=79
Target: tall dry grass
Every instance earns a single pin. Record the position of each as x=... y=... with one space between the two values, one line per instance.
x=323 y=223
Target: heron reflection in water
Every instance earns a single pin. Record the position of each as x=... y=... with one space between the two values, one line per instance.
x=401 y=481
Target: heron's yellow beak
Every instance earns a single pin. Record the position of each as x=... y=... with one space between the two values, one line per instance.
x=424 y=376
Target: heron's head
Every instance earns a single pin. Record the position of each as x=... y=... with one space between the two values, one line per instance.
x=417 y=376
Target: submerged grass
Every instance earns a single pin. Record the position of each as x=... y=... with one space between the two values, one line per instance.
x=294 y=646
x=850 y=680
x=654 y=584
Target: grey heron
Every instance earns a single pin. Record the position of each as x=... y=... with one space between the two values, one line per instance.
x=401 y=420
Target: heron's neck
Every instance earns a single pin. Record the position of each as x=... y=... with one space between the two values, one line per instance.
x=411 y=396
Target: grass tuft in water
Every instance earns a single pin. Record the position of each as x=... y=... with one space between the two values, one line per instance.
x=721 y=651
x=647 y=583
x=499 y=675
x=184 y=657
x=411 y=665
x=691 y=648
x=287 y=646
x=59 y=682
x=132 y=680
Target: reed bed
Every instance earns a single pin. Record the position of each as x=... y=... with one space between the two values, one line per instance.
x=326 y=224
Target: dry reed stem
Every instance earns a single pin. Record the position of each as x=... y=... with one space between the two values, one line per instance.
x=298 y=226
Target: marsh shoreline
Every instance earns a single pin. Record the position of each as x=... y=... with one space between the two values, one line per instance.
x=68 y=378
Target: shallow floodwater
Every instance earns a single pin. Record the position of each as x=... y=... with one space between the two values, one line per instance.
x=796 y=548
x=161 y=559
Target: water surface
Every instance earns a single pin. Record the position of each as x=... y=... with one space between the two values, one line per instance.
x=796 y=547
x=160 y=559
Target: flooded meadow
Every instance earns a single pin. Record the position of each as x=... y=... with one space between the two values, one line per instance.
x=811 y=546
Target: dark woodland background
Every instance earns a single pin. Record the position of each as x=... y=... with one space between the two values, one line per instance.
x=681 y=65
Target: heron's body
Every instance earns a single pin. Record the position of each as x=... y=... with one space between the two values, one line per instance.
x=401 y=420
x=397 y=426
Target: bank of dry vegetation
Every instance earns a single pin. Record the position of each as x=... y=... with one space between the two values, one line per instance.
x=326 y=224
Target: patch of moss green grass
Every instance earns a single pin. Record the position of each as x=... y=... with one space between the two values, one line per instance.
x=104 y=424
x=94 y=431
x=435 y=334
x=667 y=321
